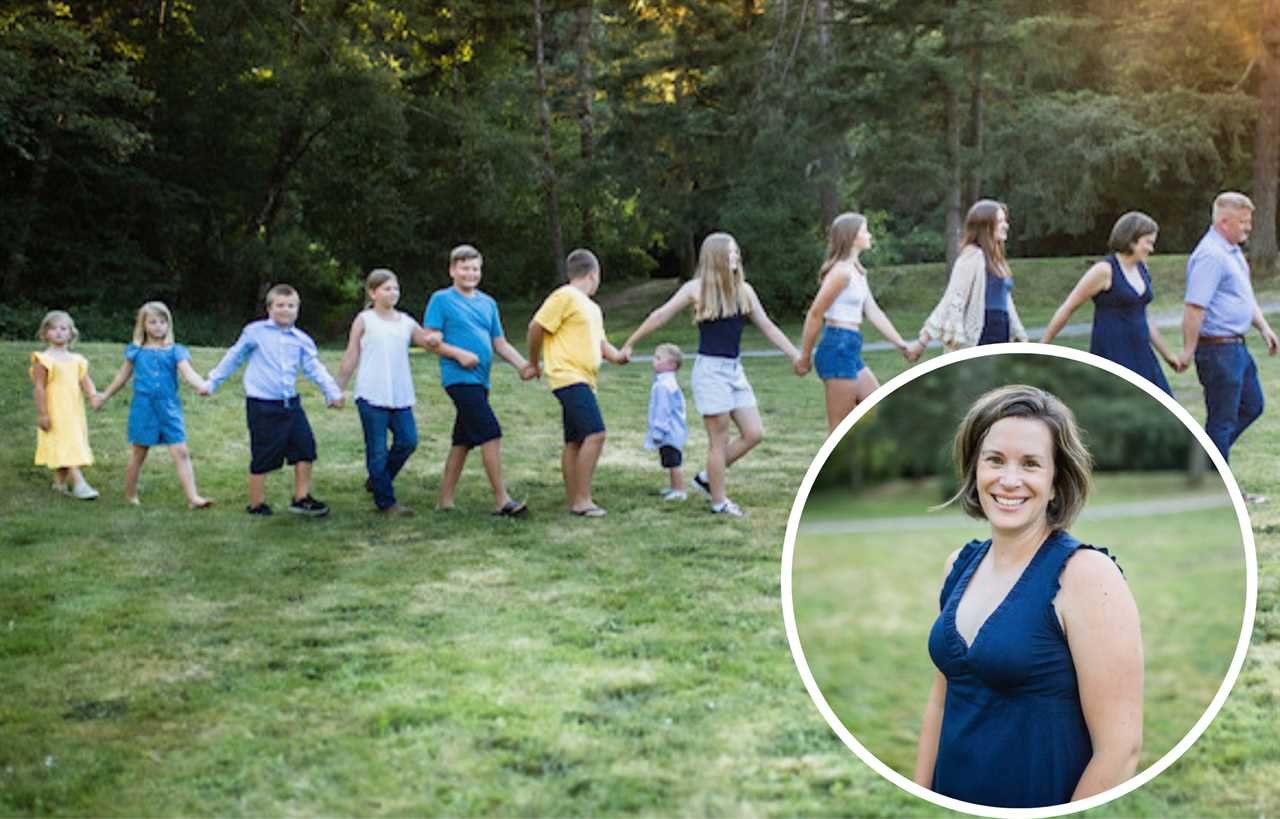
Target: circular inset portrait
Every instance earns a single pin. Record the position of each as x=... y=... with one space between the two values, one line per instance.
x=1019 y=580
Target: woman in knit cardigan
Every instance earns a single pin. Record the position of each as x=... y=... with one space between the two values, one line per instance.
x=977 y=307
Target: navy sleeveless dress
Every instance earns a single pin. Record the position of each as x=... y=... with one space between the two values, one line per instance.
x=1013 y=732
x=1120 y=326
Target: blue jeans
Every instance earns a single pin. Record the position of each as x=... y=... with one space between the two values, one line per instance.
x=384 y=463
x=1232 y=394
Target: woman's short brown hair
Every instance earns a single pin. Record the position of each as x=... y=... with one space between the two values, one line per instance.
x=1128 y=229
x=1072 y=463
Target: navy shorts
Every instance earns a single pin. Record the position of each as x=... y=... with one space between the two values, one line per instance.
x=839 y=353
x=670 y=457
x=475 y=423
x=278 y=431
x=580 y=412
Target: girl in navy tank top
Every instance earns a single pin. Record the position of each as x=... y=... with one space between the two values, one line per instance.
x=1037 y=699
x=722 y=303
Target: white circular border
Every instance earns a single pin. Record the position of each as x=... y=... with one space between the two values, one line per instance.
x=1251 y=580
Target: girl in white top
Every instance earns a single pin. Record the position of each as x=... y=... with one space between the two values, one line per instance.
x=842 y=301
x=379 y=343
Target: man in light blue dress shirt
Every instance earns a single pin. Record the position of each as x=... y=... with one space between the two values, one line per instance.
x=1219 y=309
x=275 y=350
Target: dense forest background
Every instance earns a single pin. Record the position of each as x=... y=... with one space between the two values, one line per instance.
x=195 y=151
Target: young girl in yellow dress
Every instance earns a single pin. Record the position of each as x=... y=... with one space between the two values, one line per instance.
x=61 y=380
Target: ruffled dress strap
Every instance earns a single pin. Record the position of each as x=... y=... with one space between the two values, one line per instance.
x=972 y=550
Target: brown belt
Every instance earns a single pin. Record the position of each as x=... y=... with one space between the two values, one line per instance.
x=1222 y=339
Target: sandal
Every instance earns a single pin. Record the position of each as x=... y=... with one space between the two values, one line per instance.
x=511 y=509
x=589 y=512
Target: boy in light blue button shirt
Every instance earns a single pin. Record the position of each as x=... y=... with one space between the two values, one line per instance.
x=276 y=350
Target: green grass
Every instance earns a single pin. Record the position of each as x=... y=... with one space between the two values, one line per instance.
x=156 y=661
x=1186 y=572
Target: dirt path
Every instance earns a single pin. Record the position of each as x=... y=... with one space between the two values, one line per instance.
x=950 y=520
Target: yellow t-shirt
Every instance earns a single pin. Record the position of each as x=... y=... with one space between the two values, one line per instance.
x=574 y=332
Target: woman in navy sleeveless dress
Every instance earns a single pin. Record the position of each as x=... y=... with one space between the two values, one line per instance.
x=1038 y=696
x=1122 y=330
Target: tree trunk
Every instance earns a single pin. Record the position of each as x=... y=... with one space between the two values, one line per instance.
x=586 y=122
x=953 y=201
x=977 y=111
x=829 y=157
x=548 y=156
x=1266 y=143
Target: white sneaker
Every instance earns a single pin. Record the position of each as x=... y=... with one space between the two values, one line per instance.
x=61 y=489
x=670 y=494
x=728 y=508
x=702 y=483
x=84 y=491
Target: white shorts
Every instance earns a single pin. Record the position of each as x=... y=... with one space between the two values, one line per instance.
x=720 y=385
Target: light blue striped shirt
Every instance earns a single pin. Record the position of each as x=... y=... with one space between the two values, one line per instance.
x=275 y=354
x=1218 y=281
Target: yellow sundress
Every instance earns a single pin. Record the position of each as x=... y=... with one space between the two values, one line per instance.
x=67 y=441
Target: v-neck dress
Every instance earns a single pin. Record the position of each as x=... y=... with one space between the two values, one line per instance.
x=1013 y=732
x=1120 y=331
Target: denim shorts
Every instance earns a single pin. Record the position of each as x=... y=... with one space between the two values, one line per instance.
x=839 y=353
x=580 y=412
x=720 y=385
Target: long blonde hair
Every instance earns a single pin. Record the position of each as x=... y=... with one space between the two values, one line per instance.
x=840 y=238
x=980 y=230
x=151 y=308
x=723 y=292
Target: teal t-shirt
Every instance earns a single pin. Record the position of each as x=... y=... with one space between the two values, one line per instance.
x=470 y=322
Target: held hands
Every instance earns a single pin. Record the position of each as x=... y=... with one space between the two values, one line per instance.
x=802 y=364
x=913 y=351
x=1184 y=361
x=1273 y=343
x=336 y=403
x=529 y=371
x=1175 y=363
x=97 y=400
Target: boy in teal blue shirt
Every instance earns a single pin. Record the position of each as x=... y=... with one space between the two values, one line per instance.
x=472 y=330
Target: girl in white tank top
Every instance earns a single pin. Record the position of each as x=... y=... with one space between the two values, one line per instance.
x=843 y=300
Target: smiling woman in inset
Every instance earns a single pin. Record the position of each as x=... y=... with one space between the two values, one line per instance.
x=1037 y=698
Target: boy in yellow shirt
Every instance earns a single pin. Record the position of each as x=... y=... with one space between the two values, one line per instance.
x=572 y=327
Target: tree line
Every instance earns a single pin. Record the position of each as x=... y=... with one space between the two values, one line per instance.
x=197 y=151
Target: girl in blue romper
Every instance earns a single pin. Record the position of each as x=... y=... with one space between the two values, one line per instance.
x=155 y=414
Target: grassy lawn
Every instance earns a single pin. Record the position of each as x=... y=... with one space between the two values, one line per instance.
x=865 y=602
x=157 y=661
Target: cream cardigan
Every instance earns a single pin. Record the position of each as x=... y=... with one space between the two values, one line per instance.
x=958 y=318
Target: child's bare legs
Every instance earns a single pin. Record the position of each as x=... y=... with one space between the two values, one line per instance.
x=186 y=473
x=60 y=475
x=491 y=453
x=137 y=455
x=722 y=452
x=845 y=394
x=578 y=463
x=453 y=463
x=301 y=479
x=677 y=479
x=257 y=490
